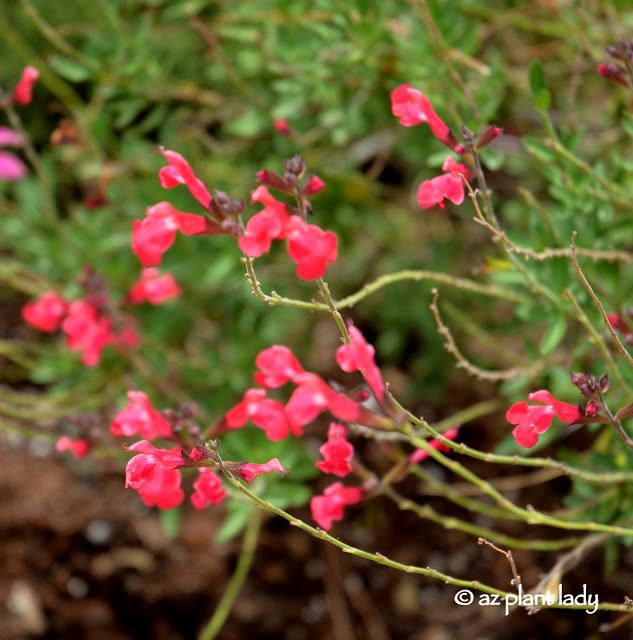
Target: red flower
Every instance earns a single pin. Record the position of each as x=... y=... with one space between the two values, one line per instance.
x=412 y=107
x=281 y=125
x=277 y=366
x=87 y=330
x=311 y=397
x=268 y=414
x=614 y=72
x=163 y=490
x=152 y=236
x=169 y=459
x=46 y=312
x=422 y=454
x=180 y=172
x=140 y=418
x=450 y=185
x=567 y=413
x=531 y=421
x=265 y=226
x=310 y=247
x=337 y=452
x=208 y=489
x=23 y=92
x=250 y=471
x=153 y=288
x=329 y=506
x=79 y=447
x=358 y=355
x=312 y=186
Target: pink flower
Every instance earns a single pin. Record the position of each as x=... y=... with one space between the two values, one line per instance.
x=163 y=490
x=87 y=330
x=337 y=452
x=179 y=172
x=153 y=288
x=12 y=168
x=412 y=107
x=208 y=489
x=46 y=312
x=79 y=447
x=281 y=125
x=23 y=92
x=567 y=413
x=358 y=355
x=450 y=185
x=312 y=186
x=267 y=414
x=277 y=366
x=310 y=247
x=329 y=506
x=152 y=236
x=422 y=454
x=250 y=471
x=265 y=226
x=140 y=418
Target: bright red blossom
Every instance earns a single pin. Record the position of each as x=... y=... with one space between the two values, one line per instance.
x=358 y=355
x=163 y=490
x=412 y=107
x=337 y=452
x=567 y=413
x=422 y=454
x=310 y=247
x=46 y=312
x=153 y=288
x=140 y=418
x=180 y=172
x=208 y=489
x=265 y=226
x=329 y=506
x=79 y=447
x=87 y=330
x=250 y=471
x=23 y=92
x=450 y=185
x=268 y=414
x=277 y=366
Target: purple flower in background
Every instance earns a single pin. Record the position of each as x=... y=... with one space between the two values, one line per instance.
x=11 y=167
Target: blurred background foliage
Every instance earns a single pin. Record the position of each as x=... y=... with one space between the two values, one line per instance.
x=208 y=79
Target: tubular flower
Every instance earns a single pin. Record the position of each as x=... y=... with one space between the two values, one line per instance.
x=329 y=506
x=358 y=355
x=265 y=226
x=450 y=185
x=79 y=447
x=87 y=330
x=310 y=247
x=153 y=288
x=207 y=489
x=46 y=312
x=163 y=490
x=250 y=471
x=23 y=92
x=531 y=421
x=152 y=236
x=277 y=366
x=422 y=454
x=567 y=413
x=267 y=414
x=180 y=172
x=337 y=452
x=12 y=168
x=411 y=107
x=140 y=418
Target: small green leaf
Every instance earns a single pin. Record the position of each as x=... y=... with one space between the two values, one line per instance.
x=554 y=334
x=537 y=79
x=69 y=69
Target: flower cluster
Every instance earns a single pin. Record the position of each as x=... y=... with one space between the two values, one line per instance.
x=90 y=322
x=311 y=248
x=622 y=51
x=411 y=107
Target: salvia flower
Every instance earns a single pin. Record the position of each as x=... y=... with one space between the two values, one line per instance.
x=330 y=506
x=87 y=330
x=207 y=489
x=163 y=490
x=412 y=107
x=153 y=288
x=277 y=365
x=358 y=355
x=79 y=447
x=337 y=452
x=310 y=247
x=450 y=185
x=250 y=471
x=140 y=418
x=178 y=172
x=12 y=168
x=263 y=412
x=265 y=226
x=46 y=312
x=23 y=92
x=422 y=454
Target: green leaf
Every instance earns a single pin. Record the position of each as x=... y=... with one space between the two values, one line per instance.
x=69 y=69
x=537 y=79
x=554 y=334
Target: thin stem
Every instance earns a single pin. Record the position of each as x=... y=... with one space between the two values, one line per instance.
x=325 y=292
x=249 y=546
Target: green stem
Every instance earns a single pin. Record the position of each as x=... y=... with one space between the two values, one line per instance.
x=325 y=292
x=249 y=546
